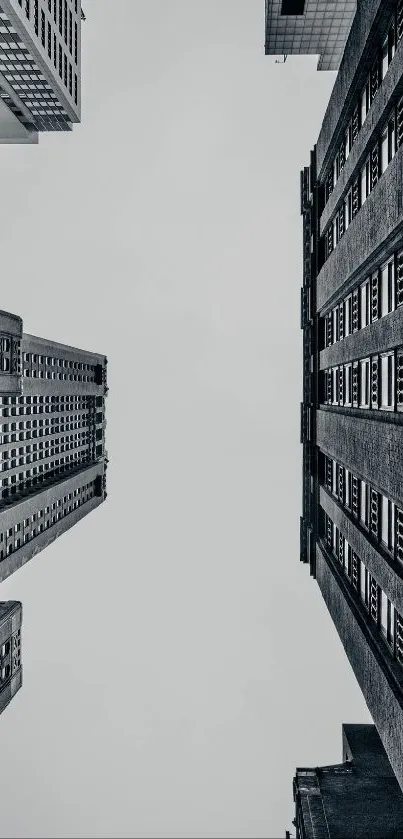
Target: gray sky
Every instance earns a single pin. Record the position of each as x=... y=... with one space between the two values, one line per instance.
x=179 y=662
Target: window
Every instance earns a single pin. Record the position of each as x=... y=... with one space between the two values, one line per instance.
x=347 y=499
x=347 y=316
x=365 y=103
x=387 y=381
x=364 y=583
x=334 y=478
x=348 y=209
x=335 y=385
x=390 y=634
x=365 y=180
x=388 y=144
x=387 y=291
x=364 y=304
x=384 y=614
x=335 y=315
x=364 y=383
x=364 y=503
x=348 y=385
x=388 y=523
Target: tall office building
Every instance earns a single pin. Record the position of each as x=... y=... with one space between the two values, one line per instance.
x=40 y=66
x=352 y=320
x=356 y=799
x=52 y=440
x=315 y=27
x=10 y=651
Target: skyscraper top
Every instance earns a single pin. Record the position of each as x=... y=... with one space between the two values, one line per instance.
x=309 y=27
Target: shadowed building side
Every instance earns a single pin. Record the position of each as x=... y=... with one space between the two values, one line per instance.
x=53 y=459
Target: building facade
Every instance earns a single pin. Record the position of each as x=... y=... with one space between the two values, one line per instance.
x=358 y=798
x=52 y=440
x=352 y=321
x=309 y=27
x=10 y=651
x=40 y=64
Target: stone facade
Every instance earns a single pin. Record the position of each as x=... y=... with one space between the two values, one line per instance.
x=352 y=410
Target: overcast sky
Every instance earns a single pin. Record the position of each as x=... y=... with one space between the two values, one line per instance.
x=179 y=662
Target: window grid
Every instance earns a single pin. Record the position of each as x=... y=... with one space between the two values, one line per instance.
x=367 y=591
x=365 y=378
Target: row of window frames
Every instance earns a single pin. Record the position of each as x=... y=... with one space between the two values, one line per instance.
x=368 y=383
x=62 y=418
x=376 y=297
x=362 y=107
x=6 y=439
x=12 y=404
x=381 y=609
x=35 y=447
x=48 y=426
x=59 y=414
x=377 y=513
x=29 y=373
x=51 y=361
x=18 y=403
x=27 y=460
x=74 y=436
x=45 y=471
x=375 y=165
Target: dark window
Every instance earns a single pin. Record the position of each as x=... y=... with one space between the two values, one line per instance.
x=292 y=7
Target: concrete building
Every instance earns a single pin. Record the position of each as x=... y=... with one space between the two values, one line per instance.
x=309 y=27
x=52 y=440
x=358 y=798
x=352 y=321
x=40 y=66
x=10 y=651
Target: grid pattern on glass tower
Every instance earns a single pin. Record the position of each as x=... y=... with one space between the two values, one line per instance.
x=329 y=329
x=340 y=380
x=25 y=76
